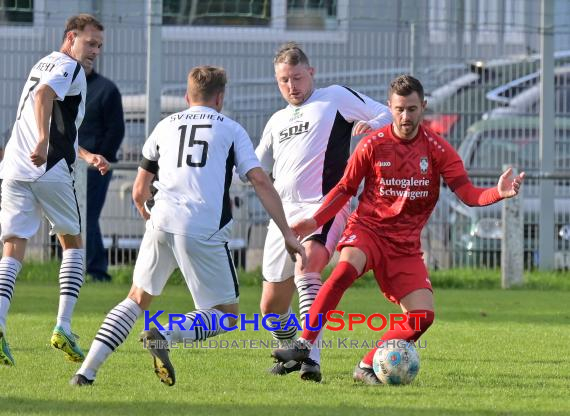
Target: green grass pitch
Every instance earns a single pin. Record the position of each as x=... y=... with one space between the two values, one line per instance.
x=489 y=352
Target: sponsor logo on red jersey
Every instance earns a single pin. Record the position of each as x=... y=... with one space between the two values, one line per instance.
x=424 y=165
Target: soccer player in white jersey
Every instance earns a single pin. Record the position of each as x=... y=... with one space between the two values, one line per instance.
x=306 y=146
x=189 y=225
x=37 y=173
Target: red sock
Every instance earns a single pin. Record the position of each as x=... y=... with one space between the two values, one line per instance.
x=408 y=333
x=329 y=296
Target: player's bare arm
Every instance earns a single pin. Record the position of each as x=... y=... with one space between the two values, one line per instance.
x=43 y=108
x=272 y=203
x=141 y=191
x=509 y=186
x=97 y=161
x=304 y=227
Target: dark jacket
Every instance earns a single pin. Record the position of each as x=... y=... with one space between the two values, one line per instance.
x=103 y=127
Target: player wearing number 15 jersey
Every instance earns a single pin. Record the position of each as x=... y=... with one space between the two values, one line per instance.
x=37 y=173
x=188 y=227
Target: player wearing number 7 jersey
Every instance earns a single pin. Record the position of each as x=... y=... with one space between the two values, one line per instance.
x=189 y=225
x=37 y=173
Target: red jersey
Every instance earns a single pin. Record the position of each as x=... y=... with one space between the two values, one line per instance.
x=402 y=181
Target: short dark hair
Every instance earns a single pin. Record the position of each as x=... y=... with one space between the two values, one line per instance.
x=79 y=22
x=206 y=81
x=290 y=53
x=405 y=85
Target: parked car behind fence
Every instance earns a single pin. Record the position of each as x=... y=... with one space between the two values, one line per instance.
x=522 y=96
x=464 y=100
x=475 y=233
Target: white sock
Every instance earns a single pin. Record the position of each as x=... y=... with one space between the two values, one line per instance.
x=203 y=328
x=70 y=281
x=308 y=285
x=114 y=330
x=9 y=269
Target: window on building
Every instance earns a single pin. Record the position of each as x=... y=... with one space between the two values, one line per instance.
x=300 y=14
x=311 y=14
x=16 y=12
x=217 y=12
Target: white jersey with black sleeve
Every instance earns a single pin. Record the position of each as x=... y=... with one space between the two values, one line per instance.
x=67 y=79
x=194 y=152
x=306 y=147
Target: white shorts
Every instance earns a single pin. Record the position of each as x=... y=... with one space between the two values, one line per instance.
x=277 y=264
x=206 y=265
x=24 y=202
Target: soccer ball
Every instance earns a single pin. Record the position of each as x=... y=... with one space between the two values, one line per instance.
x=396 y=361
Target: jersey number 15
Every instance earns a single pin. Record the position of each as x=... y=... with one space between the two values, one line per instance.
x=192 y=143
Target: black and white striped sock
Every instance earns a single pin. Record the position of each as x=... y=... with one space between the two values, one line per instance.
x=70 y=282
x=203 y=327
x=283 y=334
x=9 y=269
x=308 y=285
x=113 y=331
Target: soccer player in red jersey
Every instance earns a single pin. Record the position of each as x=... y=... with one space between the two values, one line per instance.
x=401 y=165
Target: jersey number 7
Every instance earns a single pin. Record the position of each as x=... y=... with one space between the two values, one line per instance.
x=192 y=143
x=35 y=81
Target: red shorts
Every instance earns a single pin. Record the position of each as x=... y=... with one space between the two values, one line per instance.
x=397 y=275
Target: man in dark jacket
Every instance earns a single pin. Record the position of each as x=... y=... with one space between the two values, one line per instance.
x=102 y=132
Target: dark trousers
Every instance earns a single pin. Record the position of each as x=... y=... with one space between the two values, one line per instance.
x=97 y=262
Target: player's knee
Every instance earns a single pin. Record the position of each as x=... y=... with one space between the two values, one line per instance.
x=317 y=258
